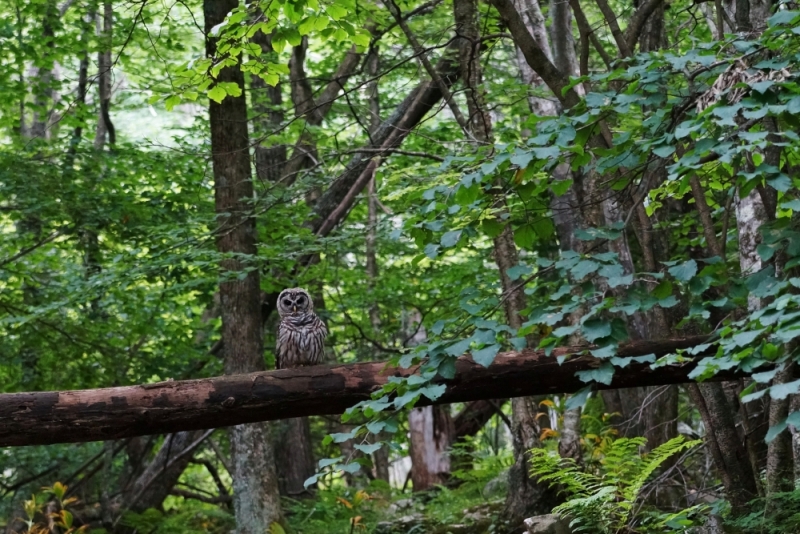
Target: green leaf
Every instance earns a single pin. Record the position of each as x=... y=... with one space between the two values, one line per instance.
x=685 y=271
x=616 y=281
x=433 y=391
x=368 y=448
x=172 y=101
x=515 y=272
x=578 y=399
x=776 y=429
x=335 y=11
x=459 y=348
x=563 y=331
x=485 y=356
x=432 y=250
x=745 y=339
x=624 y=362
x=406 y=398
x=447 y=369
x=217 y=94
x=781 y=391
x=594 y=329
x=603 y=374
x=492 y=227
x=662 y=290
x=450 y=239
x=559 y=187
x=583 y=268
x=341 y=437
x=664 y=151
x=524 y=236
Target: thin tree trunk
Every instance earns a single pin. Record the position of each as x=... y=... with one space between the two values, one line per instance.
x=44 y=99
x=105 y=128
x=294 y=455
x=526 y=497
x=255 y=486
x=794 y=406
x=730 y=455
x=431 y=431
x=267 y=104
x=380 y=458
x=780 y=460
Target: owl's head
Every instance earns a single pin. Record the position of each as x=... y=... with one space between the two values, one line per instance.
x=294 y=301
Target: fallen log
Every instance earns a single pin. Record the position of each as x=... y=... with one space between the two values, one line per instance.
x=112 y=413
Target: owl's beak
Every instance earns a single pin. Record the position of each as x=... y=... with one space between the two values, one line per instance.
x=294 y=309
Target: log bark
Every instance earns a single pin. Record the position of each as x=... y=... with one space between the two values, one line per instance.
x=112 y=413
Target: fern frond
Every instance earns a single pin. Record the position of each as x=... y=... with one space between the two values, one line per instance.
x=654 y=460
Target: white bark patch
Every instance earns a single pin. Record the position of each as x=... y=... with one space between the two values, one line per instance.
x=750 y=215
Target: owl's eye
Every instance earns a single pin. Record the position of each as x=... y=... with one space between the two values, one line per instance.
x=287 y=302
x=301 y=299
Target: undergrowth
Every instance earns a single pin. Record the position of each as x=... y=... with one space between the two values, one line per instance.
x=780 y=514
x=463 y=502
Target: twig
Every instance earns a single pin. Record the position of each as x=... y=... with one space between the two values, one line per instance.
x=31 y=248
x=382 y=151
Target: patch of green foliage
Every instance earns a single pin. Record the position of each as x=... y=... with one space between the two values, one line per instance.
x=466 y=502
x=778 y=514
x=607 y=500
x=189 y=518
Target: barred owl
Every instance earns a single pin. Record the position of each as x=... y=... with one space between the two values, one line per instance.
x=301 y=333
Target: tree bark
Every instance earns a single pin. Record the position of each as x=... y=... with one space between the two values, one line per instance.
x=780 y=461
x=154 y=484
x=431 y=431
x=294 y=455
x=267 y=102
x=380 y=458
x=45 y=96
x=255 y=489
x=113 y=413
x=536 y=57
x=729 y=453
x=105 y=128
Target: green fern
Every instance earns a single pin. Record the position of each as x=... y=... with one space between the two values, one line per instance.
x=603 y=501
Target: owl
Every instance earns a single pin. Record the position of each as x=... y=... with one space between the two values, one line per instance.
x=301 y=334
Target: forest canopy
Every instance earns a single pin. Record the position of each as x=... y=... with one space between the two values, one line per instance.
x=446 y=179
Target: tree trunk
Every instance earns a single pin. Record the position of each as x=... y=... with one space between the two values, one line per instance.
x=105 y=129
x=729 y=453
x=380 y=458
x=431 y=430
x=267 y=102
x=44 y=97
x=255 y=488
x=294 y=455
x=154 y=484
x=780 y=460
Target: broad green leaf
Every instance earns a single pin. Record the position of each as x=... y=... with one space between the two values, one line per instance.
x=217 y=94
x=604 y=374
x=781 y=391
x=685 y=271
x=594 y=329
x=485 y=356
